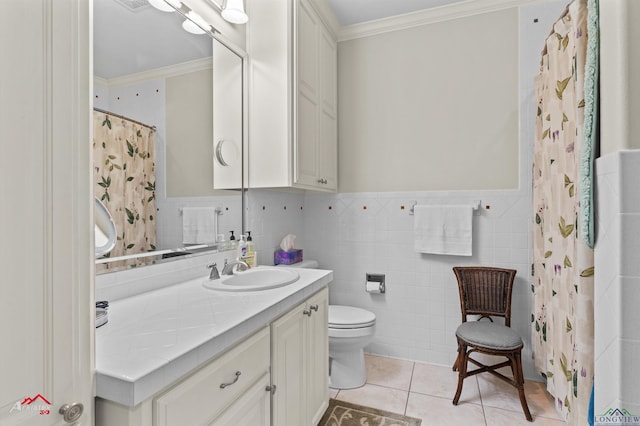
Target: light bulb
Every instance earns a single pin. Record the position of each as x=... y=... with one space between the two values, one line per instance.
x=234 y=12
x=195 y=23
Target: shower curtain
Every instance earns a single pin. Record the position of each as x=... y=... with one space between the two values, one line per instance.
x=562 y=319
x=124 y=180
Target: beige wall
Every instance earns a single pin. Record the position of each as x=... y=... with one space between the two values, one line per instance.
x=620 y=75
x=431 y=108
x=189 y=134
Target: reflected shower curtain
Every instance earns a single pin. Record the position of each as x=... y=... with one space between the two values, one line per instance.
x=562 y=319
x=124 y=180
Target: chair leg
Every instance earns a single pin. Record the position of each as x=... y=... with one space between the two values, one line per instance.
x=460 y=355
x=461 y=363
x=518 y=378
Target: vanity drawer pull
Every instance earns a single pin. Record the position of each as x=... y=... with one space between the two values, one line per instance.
x=224 y=385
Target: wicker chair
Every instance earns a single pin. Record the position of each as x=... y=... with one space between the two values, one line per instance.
x=486 y=292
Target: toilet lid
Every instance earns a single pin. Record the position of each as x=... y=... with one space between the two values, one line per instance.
x=350 y=317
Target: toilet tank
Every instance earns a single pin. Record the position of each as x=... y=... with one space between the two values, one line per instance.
x=309 y=264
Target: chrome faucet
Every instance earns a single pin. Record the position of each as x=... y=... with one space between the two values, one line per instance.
x=240 y=265
x=214 y=275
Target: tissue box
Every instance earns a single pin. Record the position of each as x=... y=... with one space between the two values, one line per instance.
x=281 y=257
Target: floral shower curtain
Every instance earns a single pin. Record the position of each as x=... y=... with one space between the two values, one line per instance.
x=124 y=180
x=562 y=320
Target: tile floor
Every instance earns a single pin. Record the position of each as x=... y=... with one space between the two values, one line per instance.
x=425 y=391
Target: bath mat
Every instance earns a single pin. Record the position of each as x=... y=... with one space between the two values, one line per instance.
x=342 y=413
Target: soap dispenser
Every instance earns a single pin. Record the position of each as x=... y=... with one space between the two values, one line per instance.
x=242 y=248
x=251 y=253
x=232 y=241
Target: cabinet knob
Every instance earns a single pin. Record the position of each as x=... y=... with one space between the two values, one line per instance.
x=323 y=181
x=307 y=312
x=71 y=412
x=224 y=385
x=314 y=308
x=271 y=389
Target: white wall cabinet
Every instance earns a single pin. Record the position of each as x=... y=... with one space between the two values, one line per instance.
x=290 y=353
x=300 y=344
x=292 y=97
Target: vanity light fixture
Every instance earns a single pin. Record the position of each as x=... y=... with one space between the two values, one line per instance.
x=166 y=5
x=233 y=11
x=195 y=24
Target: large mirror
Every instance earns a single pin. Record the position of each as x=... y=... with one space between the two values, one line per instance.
x=168 y=133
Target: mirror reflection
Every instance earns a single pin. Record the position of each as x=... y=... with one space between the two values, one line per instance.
x=155 y=127
x=105 y=229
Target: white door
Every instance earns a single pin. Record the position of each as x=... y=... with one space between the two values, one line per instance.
x=46 y=248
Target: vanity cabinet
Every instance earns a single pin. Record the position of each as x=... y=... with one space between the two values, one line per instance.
x=278 y=376
x=292 y=97
x=300 y=363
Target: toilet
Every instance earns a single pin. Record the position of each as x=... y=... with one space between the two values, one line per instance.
x=350 y=330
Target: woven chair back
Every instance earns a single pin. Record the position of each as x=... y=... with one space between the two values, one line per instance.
x=485 y=291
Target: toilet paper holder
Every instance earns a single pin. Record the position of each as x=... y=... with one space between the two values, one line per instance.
x=375 y=283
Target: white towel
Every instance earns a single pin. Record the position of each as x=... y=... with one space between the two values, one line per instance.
x=443 y=229
x=198 y=225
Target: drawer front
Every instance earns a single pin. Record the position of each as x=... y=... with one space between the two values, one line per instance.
x=199 y=398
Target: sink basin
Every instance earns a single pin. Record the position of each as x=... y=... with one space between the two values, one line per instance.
x=256 y=279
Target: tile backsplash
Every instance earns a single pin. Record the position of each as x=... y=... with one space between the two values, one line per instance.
x=358 y=233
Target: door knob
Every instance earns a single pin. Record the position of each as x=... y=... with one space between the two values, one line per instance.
x=71 y=412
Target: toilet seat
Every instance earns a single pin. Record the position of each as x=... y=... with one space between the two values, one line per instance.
x=349 y=317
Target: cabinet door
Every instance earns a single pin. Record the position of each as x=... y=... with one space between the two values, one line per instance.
x=317 y=357
x=308 y=101
x=328 y=115
x=287 y=367
x=251 y=409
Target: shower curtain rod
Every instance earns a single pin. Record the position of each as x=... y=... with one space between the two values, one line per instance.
x=126 y=118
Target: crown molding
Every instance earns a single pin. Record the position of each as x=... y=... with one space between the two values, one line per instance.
x=163 y=72
x=327 y=16
x=428 y=16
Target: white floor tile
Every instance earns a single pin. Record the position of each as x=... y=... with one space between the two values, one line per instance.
x=432 y=388
x=439 y=411
x=374 y=396
x=388 y=372
x=499 y=417
x=442 y=381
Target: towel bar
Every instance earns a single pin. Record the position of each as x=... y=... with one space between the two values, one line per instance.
x=475 y=204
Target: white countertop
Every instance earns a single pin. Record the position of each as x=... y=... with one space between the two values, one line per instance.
x=154 y=338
